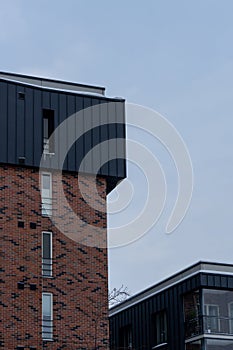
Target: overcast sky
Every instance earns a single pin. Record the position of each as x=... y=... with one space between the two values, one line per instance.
x=175 y=57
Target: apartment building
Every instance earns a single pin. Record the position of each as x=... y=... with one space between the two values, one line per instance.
x=54 y=268
x=192 y=310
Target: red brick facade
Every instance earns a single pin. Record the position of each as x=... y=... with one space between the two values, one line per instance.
x=79 y=278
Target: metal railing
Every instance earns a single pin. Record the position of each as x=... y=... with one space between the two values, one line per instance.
x=46 y=206
x=47 y=328
x=218 y=325
x=47 y=267
x=208 y=325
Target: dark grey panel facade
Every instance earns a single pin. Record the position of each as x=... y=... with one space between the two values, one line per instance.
x=21 y=131
x=51 y=83
x=137 y=312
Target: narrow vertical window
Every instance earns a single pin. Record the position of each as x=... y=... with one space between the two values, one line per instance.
x=47 y=254
x=159 y=328
x=46 y=194
x=126 y=338
x=47 y=316
x=48 y=129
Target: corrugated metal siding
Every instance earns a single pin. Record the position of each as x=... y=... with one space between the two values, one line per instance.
x=22 y=126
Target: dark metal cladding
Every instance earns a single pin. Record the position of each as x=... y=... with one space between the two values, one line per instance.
x=21 y=125
x=137 y=311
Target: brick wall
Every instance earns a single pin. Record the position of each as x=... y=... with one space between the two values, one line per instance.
x=79 y=281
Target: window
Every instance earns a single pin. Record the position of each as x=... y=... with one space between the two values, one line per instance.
x=47 y=254
x=47 y=316
x=218 y=344
x=211 y=318
x=126 y=337
x=159 y=328
x=194 y=345
x=230 y=310
x=48 y=129
x=46 y=194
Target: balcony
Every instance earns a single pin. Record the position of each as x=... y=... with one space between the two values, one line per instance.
x=208 y=325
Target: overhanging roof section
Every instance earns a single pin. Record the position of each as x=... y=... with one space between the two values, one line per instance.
x=98 y=124
x=200 y=267
x=52 y=83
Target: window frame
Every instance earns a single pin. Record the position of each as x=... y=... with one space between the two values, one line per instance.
x=50 y=264
x=159 y=321
x=126 y=336
x=48 y=114
x=46 y=212
x=51 y=318
x=206 y=314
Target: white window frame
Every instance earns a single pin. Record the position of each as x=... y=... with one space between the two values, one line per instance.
x=47 y=324
x=46 y=197
x=47 y=265
x=206 y=313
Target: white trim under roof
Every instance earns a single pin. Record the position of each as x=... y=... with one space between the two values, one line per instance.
x=209 y=336
x=204 y=267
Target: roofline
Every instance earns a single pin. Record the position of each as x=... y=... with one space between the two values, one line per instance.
x=52 y=83
x=63 y=91
x=198 y=267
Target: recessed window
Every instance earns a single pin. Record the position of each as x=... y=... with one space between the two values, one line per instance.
x=21 y=95
x=46 y=194
x=20 y=285
x=48 y=129
x=126 y=338
x=47 y=316
x=159 y=328
x=32 y=225
x=21 y=224
x=47 y=254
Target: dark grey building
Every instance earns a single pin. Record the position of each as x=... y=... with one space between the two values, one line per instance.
x=31 y=108
x=192 y=310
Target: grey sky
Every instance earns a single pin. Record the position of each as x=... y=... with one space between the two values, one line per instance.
x=173 y=56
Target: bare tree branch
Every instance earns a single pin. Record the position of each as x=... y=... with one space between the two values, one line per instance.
x=116 y=296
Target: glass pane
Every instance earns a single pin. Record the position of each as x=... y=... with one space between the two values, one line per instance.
x=47 y=306
x=214 y=344
x=126 y=337
x=231 y=317
x=159 y=328
x=46 y=181
x=46 y=128
x=217 y=314
x=46 y=246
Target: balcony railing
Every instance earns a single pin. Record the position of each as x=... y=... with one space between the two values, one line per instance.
x=46 y=206
x=47 y=328
x=208 y=325
x=48 y=147
x=47 y=267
